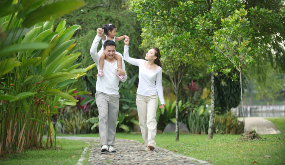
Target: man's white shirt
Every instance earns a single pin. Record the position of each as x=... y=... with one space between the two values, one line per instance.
x=109 y=82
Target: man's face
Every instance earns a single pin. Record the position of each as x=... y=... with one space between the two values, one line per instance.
x=110 y=52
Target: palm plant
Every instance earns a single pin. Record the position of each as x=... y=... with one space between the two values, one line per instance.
x=34 y=69
x=198 y=120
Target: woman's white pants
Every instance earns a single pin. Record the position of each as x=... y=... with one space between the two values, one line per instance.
x=147 y=106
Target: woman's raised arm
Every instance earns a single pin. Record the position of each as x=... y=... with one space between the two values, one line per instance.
x=127 y=57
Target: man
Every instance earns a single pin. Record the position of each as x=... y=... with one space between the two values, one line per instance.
x=107 y=95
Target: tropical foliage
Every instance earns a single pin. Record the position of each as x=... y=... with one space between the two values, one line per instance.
x=198 y=121
x=167 y=114
x=36 y=68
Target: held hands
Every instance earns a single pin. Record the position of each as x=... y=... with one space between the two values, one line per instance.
x=121 y=72
x=127 y=41
x=162 y=106
x=100 y=32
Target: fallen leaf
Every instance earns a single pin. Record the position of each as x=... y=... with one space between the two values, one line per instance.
x=254 y=162
x=73 y=156
x=184 y=152
x=267 y=156
x=249 y=149
x=174 y=150
x=54 y=162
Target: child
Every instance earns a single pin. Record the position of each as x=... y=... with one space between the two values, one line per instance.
x=110 y=31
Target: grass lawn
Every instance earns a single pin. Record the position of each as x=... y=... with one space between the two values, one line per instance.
x=69 y=154
x=223 y=149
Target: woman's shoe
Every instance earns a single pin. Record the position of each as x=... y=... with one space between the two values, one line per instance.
x=150 y=147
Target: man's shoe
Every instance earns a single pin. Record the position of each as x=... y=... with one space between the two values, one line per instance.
x=104 y=148
x=112 y=149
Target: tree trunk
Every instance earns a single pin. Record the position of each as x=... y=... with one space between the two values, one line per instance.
x=241 y=98
x=177 y=110
x=212 y=115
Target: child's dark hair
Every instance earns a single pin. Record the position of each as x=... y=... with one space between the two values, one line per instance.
x=109 y=43
x=157 y=54
x=108 y=27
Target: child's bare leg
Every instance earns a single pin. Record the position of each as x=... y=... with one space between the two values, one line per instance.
x=119 y=64
x=119 y=60
x=101 y=64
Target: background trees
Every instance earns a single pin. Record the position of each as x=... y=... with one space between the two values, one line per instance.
x=93 y=16
x=197 y=22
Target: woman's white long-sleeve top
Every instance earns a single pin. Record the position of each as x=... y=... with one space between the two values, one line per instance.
x=150 y=81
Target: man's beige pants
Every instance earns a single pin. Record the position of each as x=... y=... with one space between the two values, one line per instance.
x=147 y=106
x=108 y=108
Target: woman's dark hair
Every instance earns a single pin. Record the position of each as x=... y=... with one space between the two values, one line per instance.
x=157 y=54
x=108 y=27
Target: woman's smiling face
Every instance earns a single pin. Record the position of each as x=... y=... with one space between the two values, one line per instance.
x=150 y=55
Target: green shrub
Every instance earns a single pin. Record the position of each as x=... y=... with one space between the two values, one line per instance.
x=76 y=122
x=227 y=124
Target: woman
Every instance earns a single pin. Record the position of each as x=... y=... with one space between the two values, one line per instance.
x=150 y=85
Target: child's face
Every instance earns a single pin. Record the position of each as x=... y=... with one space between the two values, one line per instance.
x=112 y=33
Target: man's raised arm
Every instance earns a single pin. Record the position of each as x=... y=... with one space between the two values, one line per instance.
x=94 y=46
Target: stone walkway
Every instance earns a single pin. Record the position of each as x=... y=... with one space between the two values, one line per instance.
x=132 y=152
